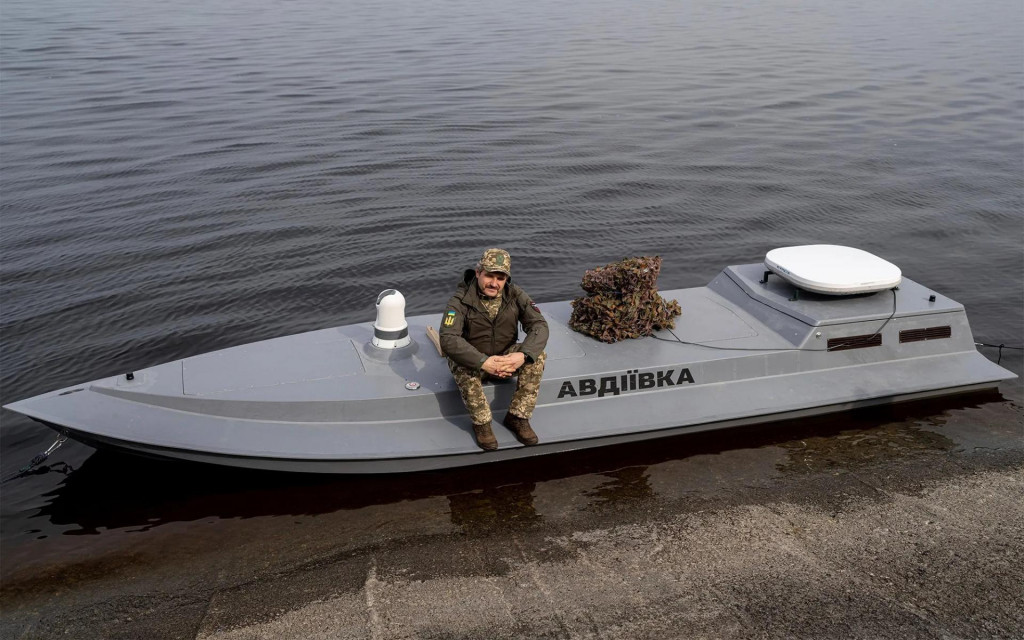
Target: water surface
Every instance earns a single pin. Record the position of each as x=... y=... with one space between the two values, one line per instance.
x=179 y=177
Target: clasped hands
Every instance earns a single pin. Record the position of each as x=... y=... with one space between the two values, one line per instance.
x=503 y=366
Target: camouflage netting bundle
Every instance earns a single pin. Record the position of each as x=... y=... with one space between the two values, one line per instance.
x=622 y=301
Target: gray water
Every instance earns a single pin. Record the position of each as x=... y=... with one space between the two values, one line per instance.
x=183 y=176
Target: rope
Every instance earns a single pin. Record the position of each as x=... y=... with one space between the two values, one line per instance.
x=40 y=458
x=1000 y=347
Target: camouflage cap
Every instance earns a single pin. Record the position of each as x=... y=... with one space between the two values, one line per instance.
x=496 y=260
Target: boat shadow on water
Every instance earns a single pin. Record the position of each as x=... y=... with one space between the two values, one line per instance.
x=113 y=490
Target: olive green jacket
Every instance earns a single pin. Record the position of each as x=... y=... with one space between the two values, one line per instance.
x=468 y=336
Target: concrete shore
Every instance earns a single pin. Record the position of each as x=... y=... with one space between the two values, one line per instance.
x=905 y=522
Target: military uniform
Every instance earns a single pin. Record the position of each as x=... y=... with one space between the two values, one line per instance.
x=475 y=327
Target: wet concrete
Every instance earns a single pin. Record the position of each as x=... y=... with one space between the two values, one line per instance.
x=905 y=521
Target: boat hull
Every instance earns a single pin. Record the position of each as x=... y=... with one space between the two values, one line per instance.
x=745 y=351
x=432 y=463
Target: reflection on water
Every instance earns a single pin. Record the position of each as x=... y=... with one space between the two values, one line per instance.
x=854 y=448
x=631 y=484
x=492 y=510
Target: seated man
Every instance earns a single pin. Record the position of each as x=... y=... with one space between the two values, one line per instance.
x=478 y=336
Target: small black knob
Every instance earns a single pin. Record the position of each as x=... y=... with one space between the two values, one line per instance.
x=129 y=375
x=931 y=298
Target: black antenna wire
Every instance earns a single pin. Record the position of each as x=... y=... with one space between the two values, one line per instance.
x=832 y=348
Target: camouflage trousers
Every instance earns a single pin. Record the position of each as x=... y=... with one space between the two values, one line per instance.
x=471 y=387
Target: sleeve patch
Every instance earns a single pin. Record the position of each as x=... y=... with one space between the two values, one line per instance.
x=449 y=319
x=533 y=305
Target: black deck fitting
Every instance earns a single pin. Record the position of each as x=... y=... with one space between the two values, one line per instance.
x=764 y=280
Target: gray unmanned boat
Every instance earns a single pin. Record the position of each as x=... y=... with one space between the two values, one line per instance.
x=377 y=397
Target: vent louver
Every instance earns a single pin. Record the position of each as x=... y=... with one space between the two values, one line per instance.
x=931 y=333
x=855 y=342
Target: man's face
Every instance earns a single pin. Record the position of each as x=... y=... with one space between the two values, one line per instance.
x=491 y=282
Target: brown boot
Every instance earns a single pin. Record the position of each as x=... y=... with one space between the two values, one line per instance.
x=485 y=437
x=521 y=427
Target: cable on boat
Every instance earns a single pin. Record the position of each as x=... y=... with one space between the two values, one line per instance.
x=1000 y=347
x=834 y=347
x=40 y=458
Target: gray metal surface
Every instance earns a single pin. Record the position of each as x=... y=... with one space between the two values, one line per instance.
x=329 y=401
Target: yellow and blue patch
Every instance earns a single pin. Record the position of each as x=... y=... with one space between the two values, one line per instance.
x=449 y=319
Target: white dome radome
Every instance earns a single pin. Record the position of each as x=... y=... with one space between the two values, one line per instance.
x=833 y=269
